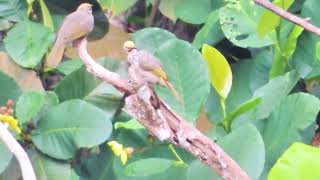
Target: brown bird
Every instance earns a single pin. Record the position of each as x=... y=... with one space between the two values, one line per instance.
x=151 y=67
x=74 y=26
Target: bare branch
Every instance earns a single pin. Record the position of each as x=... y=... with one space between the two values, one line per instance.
x=18 y=152
x=143 y=104
x=99 y=71
x=303 y=22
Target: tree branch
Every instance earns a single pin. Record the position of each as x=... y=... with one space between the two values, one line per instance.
x=143 y=104
x=18 y=151
x=291 y=17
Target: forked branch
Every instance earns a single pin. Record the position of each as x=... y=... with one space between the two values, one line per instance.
x=143 y=104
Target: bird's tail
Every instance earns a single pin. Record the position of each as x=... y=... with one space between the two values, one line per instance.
x=174 y=91
x=55 y=55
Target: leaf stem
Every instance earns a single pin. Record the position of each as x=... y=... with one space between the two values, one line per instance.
x=176 y=154
x=225 y=123
x=223 y=106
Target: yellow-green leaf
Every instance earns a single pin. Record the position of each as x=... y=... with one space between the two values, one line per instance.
x=269 y=21
x=219 y=70
x=291 y=43
x=30 y=4
x=299 y=161
x=46 y=17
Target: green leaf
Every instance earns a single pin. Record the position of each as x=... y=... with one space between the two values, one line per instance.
x=193 y=11
x=291 y=42
x=27 y=49
x=211 y=32
x=5 y=157
x=46 y=17
x=187 y=72
x=32 y=105
x=82 y=85
x=240 y=92
x=47 y=168
x=304 y=59
x=147 y=167
x=67 y=67
x=98 y=165
x=282 y=56
x=9 y=89
x=69 y=126
x=167 y=8
x=239 y=23
x=131 y=124
x=28 y=105
x=288 y=123
x=244 y=145
x=219 y=69
x=259 y=74
x=269 y=20
x=299 y=161
x=117 y=6
x=13 y=10
x=151 y=39
x=279 y=63
x=273 y=92
x=243 y=108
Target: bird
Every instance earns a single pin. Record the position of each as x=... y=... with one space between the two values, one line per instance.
x=151 y=67
x=74 y=26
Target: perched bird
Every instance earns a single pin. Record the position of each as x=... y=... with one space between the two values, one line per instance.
x=151 y=67
x=75 y=26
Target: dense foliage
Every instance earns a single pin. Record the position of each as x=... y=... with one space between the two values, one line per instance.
x=255 y=75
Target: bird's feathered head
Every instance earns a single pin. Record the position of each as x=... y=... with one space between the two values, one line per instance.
x=128 y=46
x=85 y=6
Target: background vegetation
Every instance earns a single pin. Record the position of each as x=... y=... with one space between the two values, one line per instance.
x=252 y=75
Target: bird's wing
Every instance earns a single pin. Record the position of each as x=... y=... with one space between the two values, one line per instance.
x=72 y=27
x=148 y=62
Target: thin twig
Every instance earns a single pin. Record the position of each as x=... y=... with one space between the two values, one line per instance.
x=18 y=152
x=160 y=121
x=303 y=22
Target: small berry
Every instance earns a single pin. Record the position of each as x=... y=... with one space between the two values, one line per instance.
x=10 y=103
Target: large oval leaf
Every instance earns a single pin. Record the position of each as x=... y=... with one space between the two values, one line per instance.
x=82 y=85
x=248 y=153
x=299 y=161
x=219 y=69
x=151 y=39
x=47 y=168
x=69 y=126
x=288 y=123
x=304 y=58
x=27 y=49
x=239 y=21
x=13 y=10
x=193 y=11
x=147 y=167
x=188 y=73
x=32 y=104
x=9 y=89
x=269 y=20
x=28 y=105
x=211 y=32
